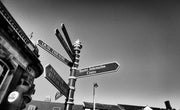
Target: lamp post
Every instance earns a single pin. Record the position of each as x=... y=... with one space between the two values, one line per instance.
x=95 y=85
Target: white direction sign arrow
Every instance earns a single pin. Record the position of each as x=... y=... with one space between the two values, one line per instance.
x=99 y=69
x=58 y=95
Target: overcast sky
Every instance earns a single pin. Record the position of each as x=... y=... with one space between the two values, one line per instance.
x=142 y=36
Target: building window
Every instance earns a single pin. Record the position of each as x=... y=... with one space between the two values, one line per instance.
x=32 y=107
x=56 y=108
x=4 y=70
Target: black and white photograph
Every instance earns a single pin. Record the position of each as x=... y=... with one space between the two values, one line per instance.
x=89 y=55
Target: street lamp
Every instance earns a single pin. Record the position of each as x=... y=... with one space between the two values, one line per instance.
x=95 y=85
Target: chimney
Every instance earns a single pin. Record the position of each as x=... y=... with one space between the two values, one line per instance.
x=47 y=99
x=168 y=105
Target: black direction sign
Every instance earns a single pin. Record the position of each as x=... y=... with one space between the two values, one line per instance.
x=52 y=76
x=99 y=69
x=46 y=47
x=67 y=38
x=60 y=38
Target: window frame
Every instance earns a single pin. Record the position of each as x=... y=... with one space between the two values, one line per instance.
x=55 y=108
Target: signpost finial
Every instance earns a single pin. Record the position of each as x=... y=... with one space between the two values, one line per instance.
x=78 y=44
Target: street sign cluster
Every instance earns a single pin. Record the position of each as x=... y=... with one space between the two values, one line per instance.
x=68 y=47
x=52 y=76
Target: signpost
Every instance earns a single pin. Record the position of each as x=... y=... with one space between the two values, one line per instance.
x=99 y=69
x=52 y=76
x=73 y=51
x=46 y=47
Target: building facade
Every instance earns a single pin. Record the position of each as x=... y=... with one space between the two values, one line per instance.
x=44 y=105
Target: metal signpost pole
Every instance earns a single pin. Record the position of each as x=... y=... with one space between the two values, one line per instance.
x=72 y=79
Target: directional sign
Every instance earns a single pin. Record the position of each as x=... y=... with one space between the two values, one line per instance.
x=67 y=38
x=46 y=47
x=60 y=38
x=52 y=76
x=58 y=95
x=99 y=69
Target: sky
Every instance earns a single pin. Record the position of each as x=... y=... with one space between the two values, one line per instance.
x=142 y=36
